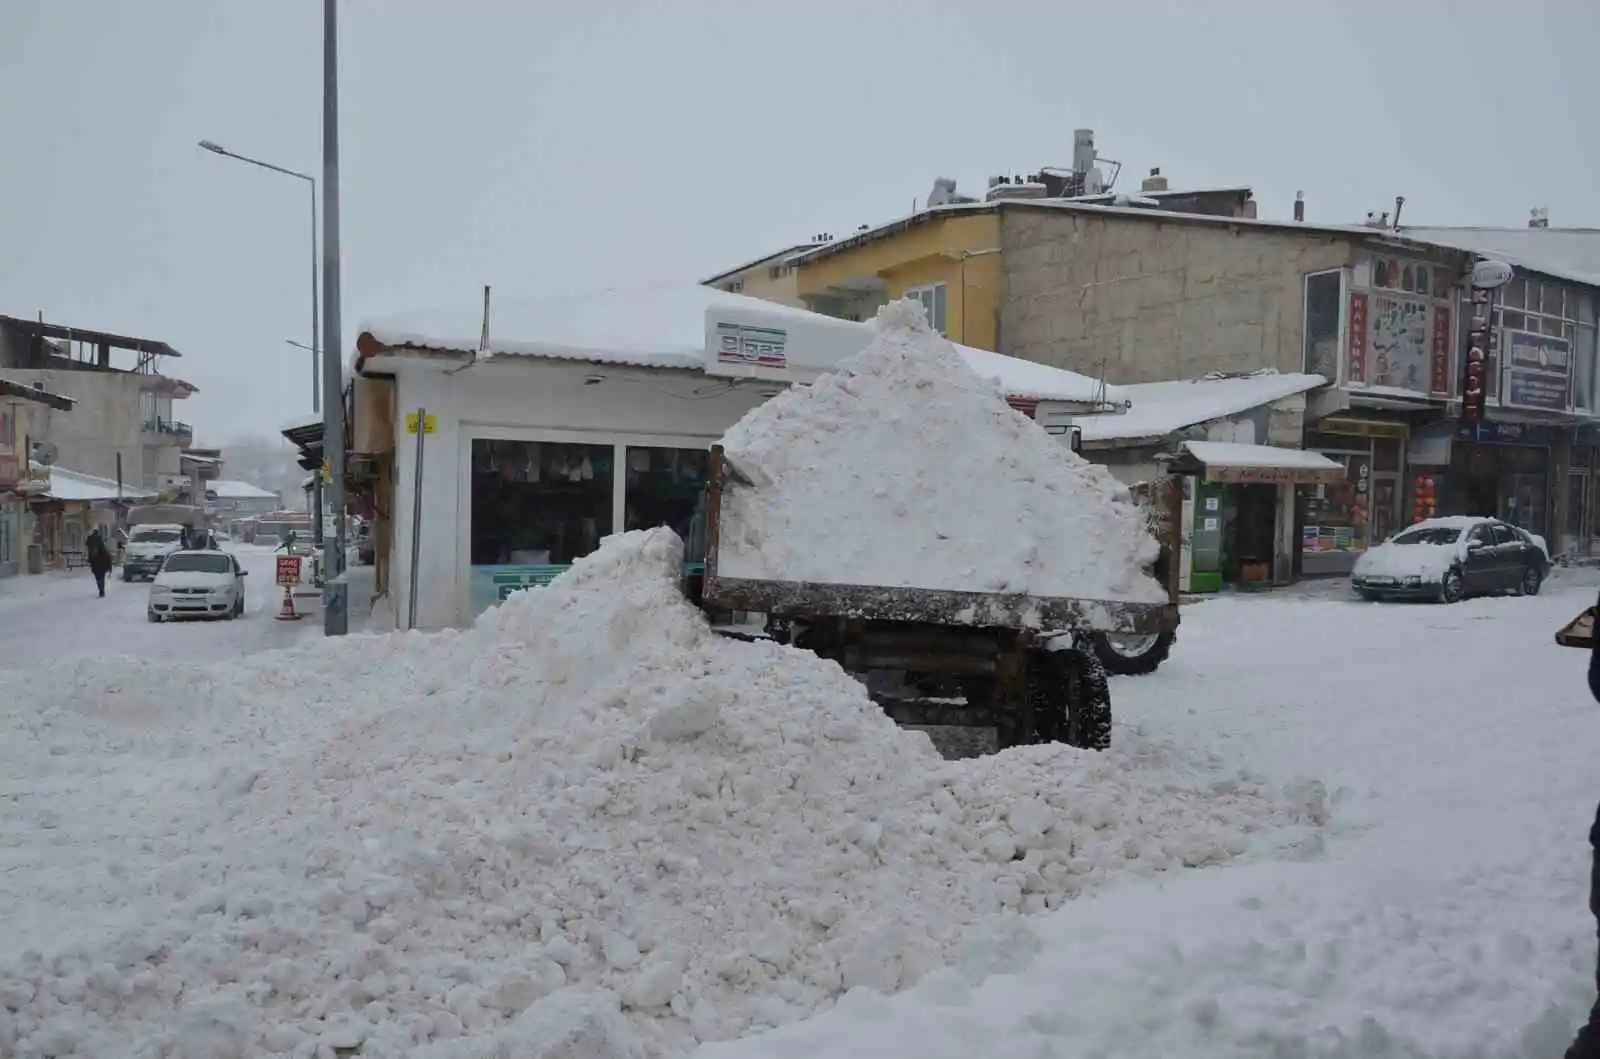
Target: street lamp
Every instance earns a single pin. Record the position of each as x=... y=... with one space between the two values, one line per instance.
x=316 y=404
x=316 y=379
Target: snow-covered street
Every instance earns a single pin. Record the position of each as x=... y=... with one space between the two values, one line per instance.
x=1326 y=829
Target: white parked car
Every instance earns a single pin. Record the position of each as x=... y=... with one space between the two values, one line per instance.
x=1448 y=559
x=198 y=584
x=147 y=547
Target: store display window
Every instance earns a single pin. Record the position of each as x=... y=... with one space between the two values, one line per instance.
x=663 y=487
x=539 y=503
x=1334 y=518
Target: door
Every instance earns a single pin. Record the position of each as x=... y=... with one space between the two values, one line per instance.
x=1385 y=497
x=1481 y=571
x=1509 y=557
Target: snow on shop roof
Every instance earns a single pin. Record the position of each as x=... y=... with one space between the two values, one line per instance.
x=1237 y=454
x=902 y=468
x=663 y=327
x=75 y=485
x=1159 y=409
x=304 y=422
x=1563 y=253
x=227 y=489
x=467 y=843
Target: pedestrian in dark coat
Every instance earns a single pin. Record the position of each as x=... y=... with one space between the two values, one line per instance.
x=99 y=560
x=1587 y=1044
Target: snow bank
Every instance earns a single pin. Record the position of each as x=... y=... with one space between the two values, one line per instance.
x=588 y=826
x=904 y=468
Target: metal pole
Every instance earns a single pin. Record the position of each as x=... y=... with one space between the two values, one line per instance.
x=416 y=521
x=335 y=619
x=316 y=324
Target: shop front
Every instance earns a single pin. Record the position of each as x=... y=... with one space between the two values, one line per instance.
x=507 y=468
x=1503 y=470
x=1239 y=511
x=1340 y=518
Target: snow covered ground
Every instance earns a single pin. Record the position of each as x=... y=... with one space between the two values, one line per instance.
x=588 y=823
x=1446 y=916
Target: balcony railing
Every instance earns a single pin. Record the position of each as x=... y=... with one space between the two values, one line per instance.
x=169 y=428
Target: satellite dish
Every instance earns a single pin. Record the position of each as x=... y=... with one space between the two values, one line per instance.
x=46 y=453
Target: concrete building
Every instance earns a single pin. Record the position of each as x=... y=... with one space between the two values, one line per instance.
x=19 y=478
x=227 y=500
x=124 y=423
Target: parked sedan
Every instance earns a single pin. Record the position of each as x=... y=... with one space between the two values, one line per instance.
x=197 y=584
x=1448 y=559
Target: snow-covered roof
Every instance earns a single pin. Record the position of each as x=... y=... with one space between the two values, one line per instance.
x=663 y=327
x=75 y=485
x=227 y=489
x=1565 y=253
x=1162 y=408
x=303 y=422
x=1239 y=454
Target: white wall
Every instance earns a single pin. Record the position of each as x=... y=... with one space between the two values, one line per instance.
x=516 y=398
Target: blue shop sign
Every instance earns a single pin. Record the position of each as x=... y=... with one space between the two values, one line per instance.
x=1495 y=433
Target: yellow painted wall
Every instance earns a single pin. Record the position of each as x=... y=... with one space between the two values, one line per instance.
x=757 y=282
x=960 y=251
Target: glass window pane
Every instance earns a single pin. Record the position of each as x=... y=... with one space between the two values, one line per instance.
x=663 y=487
x=1516 y=293
x=1585 y=308
x=1513 y=320
x=538 y=503
x=1322 y=324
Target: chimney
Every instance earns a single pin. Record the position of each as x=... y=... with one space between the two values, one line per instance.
x=1250 y=209
x=1300 y=205
x=1083 y=152
x=1539 y=217
x=1154 y=182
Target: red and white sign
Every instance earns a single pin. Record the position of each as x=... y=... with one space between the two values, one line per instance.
x=1357 y=324
x=1439 y=352
x=1027 y=406
x=288 y=570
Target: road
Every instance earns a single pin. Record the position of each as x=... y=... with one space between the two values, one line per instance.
x=59 y=615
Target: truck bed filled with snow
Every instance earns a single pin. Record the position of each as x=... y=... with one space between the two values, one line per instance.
x=587 y=826
x=905 y=469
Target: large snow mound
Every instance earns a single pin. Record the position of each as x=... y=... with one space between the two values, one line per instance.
x=587 y=826
x=905 y=468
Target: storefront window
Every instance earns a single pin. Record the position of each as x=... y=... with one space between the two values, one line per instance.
x=1334 y=518
x=538 y=503
x=663 y=486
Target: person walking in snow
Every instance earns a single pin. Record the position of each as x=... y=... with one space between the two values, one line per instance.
x=1587 y=1044
x=99 y=560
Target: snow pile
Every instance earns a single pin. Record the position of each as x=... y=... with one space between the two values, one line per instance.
x=588 y=826
x=904 y=468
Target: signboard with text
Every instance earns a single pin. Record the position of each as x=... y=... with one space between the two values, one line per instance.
x=1356 y=325
x=1538 y=371
x=762 y=347
x=288 y=569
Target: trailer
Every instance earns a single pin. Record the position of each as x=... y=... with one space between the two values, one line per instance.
x=1022 y=665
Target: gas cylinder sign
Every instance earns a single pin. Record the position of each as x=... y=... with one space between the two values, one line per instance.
x=288 y=569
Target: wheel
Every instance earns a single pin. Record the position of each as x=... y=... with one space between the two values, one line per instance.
x=127 y=575
x=152 y=617
x=1370 y=597
x=1451 y=590
x=238 y=608
x=1071 y=698
x=1132 y=656
x=1532 y=581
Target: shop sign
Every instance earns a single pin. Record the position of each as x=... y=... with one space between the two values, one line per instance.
x=1505 y=433
x=1357 y=326
x=758 y=347
x=1538 y=371
x=1439 y=355
x=1360 y=428
x=1225 y=475
x=1490 y=275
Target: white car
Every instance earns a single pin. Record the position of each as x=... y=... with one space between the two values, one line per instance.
x=197 y=584
x=147 y=547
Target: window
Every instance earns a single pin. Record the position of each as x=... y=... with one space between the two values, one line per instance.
x=932 y=298
x=779 y=271
x=1322 y=299
x=1481 y=535
x=663 y=486
x=1546 y=349
x=1431 y=535
x=538 y=503
x=191 y=562
x=1503 y=535
x=733 y=286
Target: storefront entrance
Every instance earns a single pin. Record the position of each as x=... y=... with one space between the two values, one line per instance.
x=1339 y=521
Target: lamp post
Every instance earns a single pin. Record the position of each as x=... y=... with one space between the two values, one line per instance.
x=335 y=612
x=316 y=382
x=316 y=369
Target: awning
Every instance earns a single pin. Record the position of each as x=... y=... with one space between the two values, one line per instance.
x=1234 y=463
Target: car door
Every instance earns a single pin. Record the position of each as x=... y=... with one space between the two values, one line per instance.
x=1511 y=555
x=238 y=577
x=1481 y=571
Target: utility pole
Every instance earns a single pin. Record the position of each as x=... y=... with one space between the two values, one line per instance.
x=335 y=612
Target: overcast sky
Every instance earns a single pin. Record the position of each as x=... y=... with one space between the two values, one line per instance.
x=552 y=147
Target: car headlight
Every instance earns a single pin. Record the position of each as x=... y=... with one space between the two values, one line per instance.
x=1413 y=580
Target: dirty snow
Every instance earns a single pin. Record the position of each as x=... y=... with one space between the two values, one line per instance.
x=587 y=824
x=904 y=468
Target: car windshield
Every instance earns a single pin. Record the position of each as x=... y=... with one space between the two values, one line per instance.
x=188 y=562
x=157 y=536
x=1429 y=535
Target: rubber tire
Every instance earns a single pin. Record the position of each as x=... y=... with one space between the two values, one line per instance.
x=1460 y=593
x=127 y=575
x=1524 y=588
x=1123 y=665
x=1370 y=597
x=152 y=617
x=1071 y=698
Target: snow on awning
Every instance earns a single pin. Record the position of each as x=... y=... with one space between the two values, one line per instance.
x=1160 y=409
x=674 y=327
x=73 y=485
x=1229 y=462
